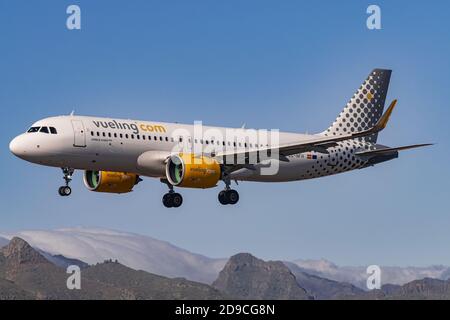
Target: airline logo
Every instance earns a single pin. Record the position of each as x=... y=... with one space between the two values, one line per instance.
x=152 y=128
x=136 y=128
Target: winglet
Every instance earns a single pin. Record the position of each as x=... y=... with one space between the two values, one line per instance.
x=381 y=124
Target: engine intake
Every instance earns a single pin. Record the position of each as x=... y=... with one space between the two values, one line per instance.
x=108 y=181
x=191 y=171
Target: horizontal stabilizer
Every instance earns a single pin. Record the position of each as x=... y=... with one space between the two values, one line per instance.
x=369 y=153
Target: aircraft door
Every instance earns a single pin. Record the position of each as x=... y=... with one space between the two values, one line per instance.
x=79 y=133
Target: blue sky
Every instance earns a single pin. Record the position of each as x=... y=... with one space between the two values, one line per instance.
x=290 y=65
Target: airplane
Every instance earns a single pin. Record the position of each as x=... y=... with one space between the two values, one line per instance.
x=115 y=153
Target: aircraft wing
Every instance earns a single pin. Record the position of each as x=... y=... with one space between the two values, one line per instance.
x=316 y=144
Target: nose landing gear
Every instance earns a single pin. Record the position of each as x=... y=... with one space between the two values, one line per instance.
x=65 y=191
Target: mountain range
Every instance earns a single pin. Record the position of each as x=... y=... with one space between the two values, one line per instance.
x=94 y=245
x=163 y=266
x=135 y=251
x=26 y=273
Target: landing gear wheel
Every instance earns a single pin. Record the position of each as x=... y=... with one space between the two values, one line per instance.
x=223 y=197
x=168 y=200
x=171 y=199
x=228 y=196
x=232 y=196
x=177 y=200
x=64 y=191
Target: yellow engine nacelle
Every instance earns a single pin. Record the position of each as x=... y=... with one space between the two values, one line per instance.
x=191 y=171
x=108 y=181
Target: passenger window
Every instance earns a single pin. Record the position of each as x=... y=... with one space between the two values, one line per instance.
x=138 y=137
x=98 y=134
x=156 y=138
x=167 y=139
x=143 y=137
x=109 y=134
x=53 y=130
x=126 y=135
x=120 y=135
x=44 y=130
x=92 y=133
x=160 y=138
x=115 y=135
x=33 y=129
x=132 y=136
x=104 y=134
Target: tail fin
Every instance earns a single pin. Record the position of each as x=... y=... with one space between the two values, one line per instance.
x=365 y=108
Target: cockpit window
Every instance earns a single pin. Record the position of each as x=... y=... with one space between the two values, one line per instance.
x=53 y=130
x=44 y=130
x=34 y=129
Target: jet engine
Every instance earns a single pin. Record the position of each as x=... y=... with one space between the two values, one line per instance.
x=192 y=171
x=108 y=181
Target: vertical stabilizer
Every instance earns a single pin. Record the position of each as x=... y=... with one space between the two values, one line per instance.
x=365 y=107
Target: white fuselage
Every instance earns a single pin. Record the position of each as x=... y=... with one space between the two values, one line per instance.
x=93 y=143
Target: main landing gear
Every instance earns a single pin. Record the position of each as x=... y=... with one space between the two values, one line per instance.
x=228 y=195
x=65 y=191
x=171 y=199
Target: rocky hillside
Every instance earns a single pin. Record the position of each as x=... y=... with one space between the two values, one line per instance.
x=247 y=277
x=3 y=242
x=10 y=291
x=322 y=288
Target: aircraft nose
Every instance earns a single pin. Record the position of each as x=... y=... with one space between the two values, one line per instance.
x=16 y=147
